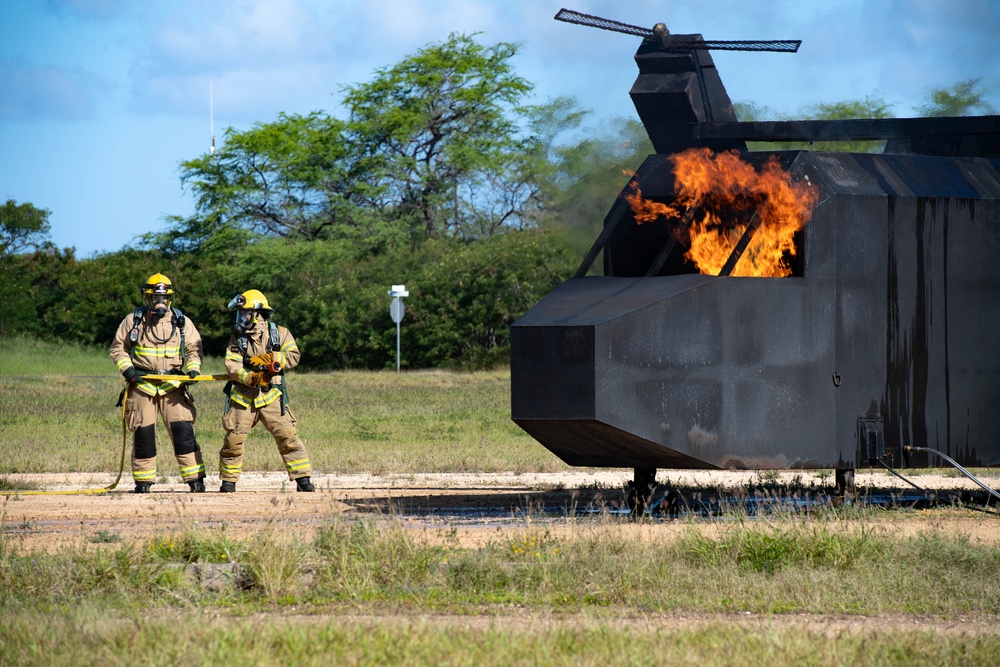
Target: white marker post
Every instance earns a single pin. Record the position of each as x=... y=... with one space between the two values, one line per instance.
x=396 y=312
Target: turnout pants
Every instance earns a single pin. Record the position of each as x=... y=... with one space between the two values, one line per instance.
x=238 y=421
x=178 y=414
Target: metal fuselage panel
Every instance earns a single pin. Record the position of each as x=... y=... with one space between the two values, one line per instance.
x=704 y=377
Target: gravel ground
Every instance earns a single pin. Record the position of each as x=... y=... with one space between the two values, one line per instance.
x=475 y=504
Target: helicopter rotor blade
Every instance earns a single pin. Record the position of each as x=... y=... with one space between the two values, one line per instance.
x=678 y=44
x=570 y=16
x=776 y=45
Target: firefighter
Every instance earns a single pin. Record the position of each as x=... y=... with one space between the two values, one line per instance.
x=158 y=339
x=258 y=355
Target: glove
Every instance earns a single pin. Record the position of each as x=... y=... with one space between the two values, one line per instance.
x=262 y=360
x=259 y=379
x=131 y=375
x=192 y=374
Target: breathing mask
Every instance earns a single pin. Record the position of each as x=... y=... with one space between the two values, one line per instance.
x=245 y=319
x=157 y=294
x=249 y=306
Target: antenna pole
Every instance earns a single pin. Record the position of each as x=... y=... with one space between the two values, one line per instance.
x=211 y=116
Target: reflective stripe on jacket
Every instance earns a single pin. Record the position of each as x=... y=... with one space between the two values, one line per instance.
x=287 y=355
x=158 y=350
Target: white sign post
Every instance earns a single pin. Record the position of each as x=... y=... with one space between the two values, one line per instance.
x=396 y=311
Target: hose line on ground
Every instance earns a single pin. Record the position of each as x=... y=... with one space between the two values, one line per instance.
x=90 y=492
x=894 y=472
x=911 y=448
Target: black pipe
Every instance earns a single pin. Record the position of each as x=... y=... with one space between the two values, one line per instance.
x=741 y=245
x=854 y=129
x=911 y=448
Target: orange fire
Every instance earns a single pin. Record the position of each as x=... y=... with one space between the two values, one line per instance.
x=717 y=197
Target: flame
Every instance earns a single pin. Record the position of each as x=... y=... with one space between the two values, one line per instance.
x=717 y=197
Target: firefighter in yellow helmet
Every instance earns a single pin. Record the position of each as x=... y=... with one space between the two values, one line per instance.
x=158 y=339
x=258 y=355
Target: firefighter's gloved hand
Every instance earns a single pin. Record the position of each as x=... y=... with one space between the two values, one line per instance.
x=262 y=360
x=131 y=375
x=192 y=374
x=259 y=379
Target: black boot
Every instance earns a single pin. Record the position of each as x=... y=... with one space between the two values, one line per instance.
x=228 y=487
x=305 y=484
x=142 y=487
x=197 y=485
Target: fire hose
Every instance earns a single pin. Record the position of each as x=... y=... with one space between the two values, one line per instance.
x=121 y=464
x=911 y=448
x=102 y=489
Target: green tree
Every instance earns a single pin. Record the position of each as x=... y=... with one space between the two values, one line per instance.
x=437 y=138
x=289 y=178
x=22 y=227
x=963 y=99
x=432 y=147
x=869 y=107
x=749 y=112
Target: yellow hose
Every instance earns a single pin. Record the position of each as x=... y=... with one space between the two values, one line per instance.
x=89 y=492
x=121 y=465
x=78 y=492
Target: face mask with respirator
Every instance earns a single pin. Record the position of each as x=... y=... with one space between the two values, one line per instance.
x=245 y=319
x=158 y=304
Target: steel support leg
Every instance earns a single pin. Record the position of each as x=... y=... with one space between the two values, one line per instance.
x=641 y=492
x=844 y=482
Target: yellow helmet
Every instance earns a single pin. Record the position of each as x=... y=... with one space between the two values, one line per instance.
x=158 y=284
x=251 y=300
x=249 y=306
x=157 y=293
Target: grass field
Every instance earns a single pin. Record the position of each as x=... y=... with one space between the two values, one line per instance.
x=58 y=414
x=835 y=587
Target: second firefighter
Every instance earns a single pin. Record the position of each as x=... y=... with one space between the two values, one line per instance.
x=257 y=357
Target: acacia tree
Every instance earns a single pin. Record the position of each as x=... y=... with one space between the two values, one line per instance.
x=288 y=178
x=22 y=227
x=438 y=139
x=431 y=147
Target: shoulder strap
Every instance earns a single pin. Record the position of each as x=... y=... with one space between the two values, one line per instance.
x=274 y=343
x=133 y=335
x=179 y=321
x=274 y=340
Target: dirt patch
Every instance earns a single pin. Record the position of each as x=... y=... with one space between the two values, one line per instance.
x=471 y=508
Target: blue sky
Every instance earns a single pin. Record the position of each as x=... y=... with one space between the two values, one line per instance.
x=102 y=99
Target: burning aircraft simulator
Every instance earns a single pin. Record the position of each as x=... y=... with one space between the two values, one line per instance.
x=774 y=310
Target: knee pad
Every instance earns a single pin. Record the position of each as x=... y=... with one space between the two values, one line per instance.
x=184 y=442
x=145 y=442
x=232 y=444
x=288 y=440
